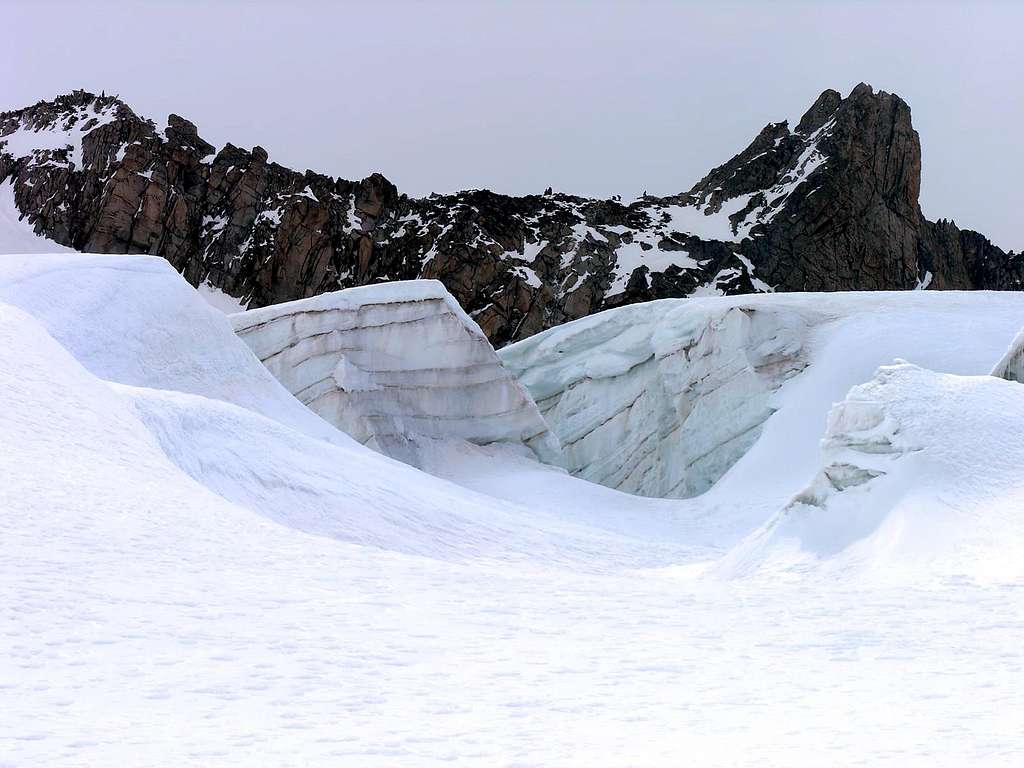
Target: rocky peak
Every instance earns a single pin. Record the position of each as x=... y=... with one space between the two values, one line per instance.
x=819 y=112
x=183 y=133
x=875 y=140
x=855 y=221
x=66 y=111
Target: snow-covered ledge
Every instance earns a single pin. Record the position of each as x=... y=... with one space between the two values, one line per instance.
x=393 y=365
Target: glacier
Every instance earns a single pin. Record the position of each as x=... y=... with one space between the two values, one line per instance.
x=197 y=568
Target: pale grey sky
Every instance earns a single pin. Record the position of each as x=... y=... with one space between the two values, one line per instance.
x=593 y=98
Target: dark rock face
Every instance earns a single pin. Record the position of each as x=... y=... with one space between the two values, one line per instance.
x=831 y=205
x=855 y=223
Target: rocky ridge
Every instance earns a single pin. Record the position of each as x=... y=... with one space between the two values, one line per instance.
x=831 y=204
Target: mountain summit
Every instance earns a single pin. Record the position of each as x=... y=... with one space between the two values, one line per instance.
x=831 y=204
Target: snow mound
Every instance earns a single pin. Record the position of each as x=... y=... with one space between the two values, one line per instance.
x=134 y=320
x=395 y=365
x=668 y=398
x=908 y=485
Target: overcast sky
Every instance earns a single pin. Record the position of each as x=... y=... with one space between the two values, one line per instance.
x=593 y=98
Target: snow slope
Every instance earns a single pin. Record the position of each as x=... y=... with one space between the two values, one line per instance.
x=196 y=570
x=395 y=365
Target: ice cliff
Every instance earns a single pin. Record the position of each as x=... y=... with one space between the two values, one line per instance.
x=661 y=399
x=395 y=365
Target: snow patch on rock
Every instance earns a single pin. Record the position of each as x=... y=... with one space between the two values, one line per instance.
x=64 y=135
x=219 y=300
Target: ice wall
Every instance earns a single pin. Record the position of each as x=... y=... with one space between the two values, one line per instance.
x=660 y=399
x=395 y=365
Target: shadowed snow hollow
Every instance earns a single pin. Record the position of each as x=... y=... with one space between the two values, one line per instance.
x=393 y=365
x=920 y=475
